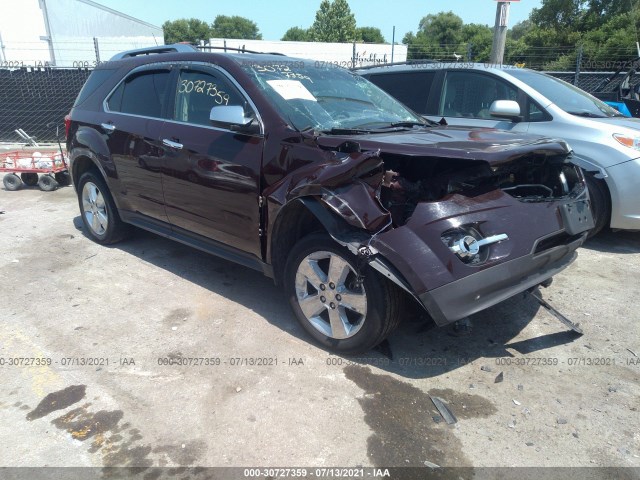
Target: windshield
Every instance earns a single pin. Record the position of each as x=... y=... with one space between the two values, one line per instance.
x=328 y=98
x=569 y=98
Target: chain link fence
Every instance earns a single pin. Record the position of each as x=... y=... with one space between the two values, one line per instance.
x=36 y=101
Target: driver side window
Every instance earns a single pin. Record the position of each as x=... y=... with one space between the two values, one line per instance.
x=469 y=94
x=198 y=92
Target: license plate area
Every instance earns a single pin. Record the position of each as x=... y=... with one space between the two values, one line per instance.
x=577 y=217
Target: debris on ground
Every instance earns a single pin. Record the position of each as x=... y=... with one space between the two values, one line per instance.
x=516 y=402
x=448 y=416
x=486 y=368
x=561 y=421
x=499 y=378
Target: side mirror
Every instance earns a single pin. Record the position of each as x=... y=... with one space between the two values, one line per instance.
x=231 y=117
x=508 y=109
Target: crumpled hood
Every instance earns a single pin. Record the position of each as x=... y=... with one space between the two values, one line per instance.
x=488 y=144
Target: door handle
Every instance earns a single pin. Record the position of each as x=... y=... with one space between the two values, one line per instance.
x=108 y=127
x=171 y=144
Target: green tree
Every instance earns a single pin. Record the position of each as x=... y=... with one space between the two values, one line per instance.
x=185 y=30
x=558 y=14
x=480 y=39
x=334 y=22
x=370 y=35
x=520 y=29
x=224 y=26
x=439 y=36
x=296 y=34
x=443 y=28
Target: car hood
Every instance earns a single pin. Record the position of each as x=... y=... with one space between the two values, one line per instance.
x=491 y=145
x=626 y=122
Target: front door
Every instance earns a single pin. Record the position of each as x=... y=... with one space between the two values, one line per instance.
x=466 y=97
x=211 y=176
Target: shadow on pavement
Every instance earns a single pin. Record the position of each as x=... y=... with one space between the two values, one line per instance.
x=614 y=242
x=417 y=349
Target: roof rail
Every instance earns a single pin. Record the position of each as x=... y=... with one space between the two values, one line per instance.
x=176 y=47
x=393 y=64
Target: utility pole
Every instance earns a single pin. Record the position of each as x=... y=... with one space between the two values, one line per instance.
x=500 y=31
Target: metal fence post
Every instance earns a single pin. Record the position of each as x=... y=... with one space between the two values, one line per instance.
x=353 y=57
x=96 y=47
x=469 y=52
x=578 y=64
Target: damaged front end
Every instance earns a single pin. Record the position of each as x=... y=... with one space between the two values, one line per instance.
x=458 y=232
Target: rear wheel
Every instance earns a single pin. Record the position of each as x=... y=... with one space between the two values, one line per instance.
x=12 y=182
x=600 y=203
x=344 y=309
x=30 y=179
x=99 y=214
x=47 y=183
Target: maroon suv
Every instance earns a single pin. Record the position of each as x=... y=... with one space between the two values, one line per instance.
x=319 y=179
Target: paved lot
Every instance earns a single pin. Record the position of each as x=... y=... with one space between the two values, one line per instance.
x=563 y=400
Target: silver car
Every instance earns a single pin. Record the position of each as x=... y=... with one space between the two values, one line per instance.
x=606 y=144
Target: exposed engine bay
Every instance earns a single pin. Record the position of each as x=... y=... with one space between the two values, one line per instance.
x=534 y=178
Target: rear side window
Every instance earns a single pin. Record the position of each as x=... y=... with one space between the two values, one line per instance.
x=143 y=94
x=97 y=78
x=411 y=88
x=198 y=92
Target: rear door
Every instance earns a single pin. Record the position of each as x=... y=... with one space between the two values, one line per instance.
x=134 y=115
x=211 y=175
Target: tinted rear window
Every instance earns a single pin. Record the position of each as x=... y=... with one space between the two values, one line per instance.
x=141 y=94
x=411 y=88
x=97 y=78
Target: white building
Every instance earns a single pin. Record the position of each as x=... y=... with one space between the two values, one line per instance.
x=68 y=33
x=341 y=54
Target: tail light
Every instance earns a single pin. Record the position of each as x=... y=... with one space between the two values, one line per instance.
x=67 y=126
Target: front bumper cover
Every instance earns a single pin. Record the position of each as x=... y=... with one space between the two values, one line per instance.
x=483 y=289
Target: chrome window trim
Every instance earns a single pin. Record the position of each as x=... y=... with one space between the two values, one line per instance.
x=180 y=65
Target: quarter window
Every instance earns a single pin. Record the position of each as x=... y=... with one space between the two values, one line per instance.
x=198 y=92
x=468 y=94
x=143 y=94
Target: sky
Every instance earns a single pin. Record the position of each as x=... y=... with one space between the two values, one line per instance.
x=274 y=17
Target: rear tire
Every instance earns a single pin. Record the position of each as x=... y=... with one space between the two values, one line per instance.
x=600 y=203
x=29 y=179
x=339 y=312
x=12 y=182
x=47 y=183
x=99 y=214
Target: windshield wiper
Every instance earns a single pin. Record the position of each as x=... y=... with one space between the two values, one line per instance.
x=347 y=131
x=587 y=114
x=409 y=124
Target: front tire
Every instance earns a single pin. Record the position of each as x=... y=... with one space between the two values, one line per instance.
x=600 y=203
x=98 y=210
x=343 y=311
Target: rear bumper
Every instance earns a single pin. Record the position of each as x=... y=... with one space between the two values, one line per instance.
x=474 y=293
